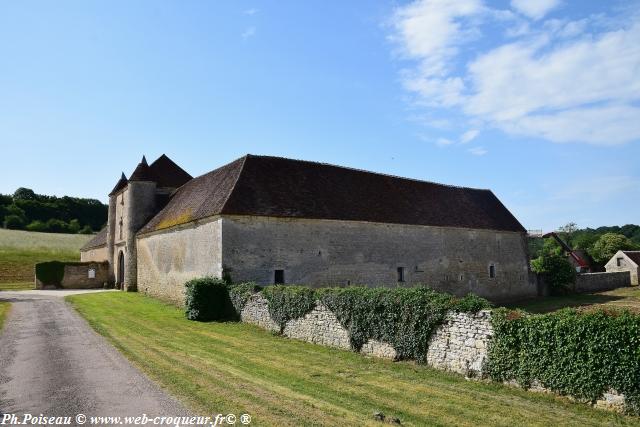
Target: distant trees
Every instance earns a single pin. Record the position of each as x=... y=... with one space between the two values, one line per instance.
x=598 y=244
x=608 y=244
x=27 y=210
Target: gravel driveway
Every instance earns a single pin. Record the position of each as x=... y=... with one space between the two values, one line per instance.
x=53 y=363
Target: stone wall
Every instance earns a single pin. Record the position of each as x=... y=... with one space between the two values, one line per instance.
x=595 y=282
x=338 y=253
x=98 y=254
x=169 y=258
x=81 y=275
x=460 y=344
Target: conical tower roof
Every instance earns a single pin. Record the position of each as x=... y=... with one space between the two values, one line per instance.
x=142 y=172
x=122 y=182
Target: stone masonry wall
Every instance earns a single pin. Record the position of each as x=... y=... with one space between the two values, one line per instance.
x=168 y=259
x=594 y=282
x=339 y=253
x=98 y=254
x=460 y=344
x=81 y=275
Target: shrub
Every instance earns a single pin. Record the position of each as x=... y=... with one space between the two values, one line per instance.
x=240 y=294
x=37 y=226
x=208 y=299
x=289 y=302
x=557 y=272
x=86 y=230
x=403 y=317
x=570 y=352
x=13 y=222
x=50 y=273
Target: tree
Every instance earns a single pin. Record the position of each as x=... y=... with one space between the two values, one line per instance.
x=13 y=222
x=557 y=272
x=24 y=194
x=37 y=226
x=74 y=226
x=86 y=230
x=608 y=244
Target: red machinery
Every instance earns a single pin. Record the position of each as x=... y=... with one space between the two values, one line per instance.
x=584 y=266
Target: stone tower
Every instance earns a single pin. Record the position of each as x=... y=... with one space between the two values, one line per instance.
x=132 y=203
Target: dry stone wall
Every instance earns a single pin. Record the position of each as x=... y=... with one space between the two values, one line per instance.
x=460 y=344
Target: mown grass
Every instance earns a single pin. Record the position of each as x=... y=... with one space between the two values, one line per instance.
x=4 y=309
x=239 y=368
x=617 y=299
x=20 y=250
x=20 y=286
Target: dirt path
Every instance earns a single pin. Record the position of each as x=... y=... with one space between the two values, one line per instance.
x=53 y=363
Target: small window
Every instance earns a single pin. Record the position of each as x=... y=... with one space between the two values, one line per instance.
x=461 y=277
x=446 y=278
x=400 y=274
x=492 y=271
x=92 y=273
x=278 y=277
x=619 y=262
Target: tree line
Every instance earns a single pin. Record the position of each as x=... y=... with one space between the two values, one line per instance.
x=26 y=210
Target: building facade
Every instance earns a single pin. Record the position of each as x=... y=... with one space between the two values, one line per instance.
x=626 y=261
x=274 y=220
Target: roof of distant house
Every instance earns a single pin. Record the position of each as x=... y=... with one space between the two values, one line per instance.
x=280 y=187
x=634 y=256
x=100 y=239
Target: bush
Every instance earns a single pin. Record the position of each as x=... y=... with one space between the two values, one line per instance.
x=86 y=230
x=50 y=273
x=13 y=222
x=557 y=272
x=240 y=294
x=37 y=226
x=402 y=317
x=570 y=352
x=208 y=299
x=289 y=302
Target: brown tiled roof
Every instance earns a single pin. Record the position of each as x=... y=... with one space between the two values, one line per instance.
x=122 y=182
x=100 y=239
x=167 y=173
x=634 y=256
x=142 y=172
x=274 y=186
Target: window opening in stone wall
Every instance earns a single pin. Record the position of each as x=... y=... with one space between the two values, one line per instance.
x=278 y=277
x=400 y=274
x=461 y=277
x=619 y=262
x=492 y=271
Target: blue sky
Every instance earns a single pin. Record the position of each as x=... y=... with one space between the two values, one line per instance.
x=538 y=100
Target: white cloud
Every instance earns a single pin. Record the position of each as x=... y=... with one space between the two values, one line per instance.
x=251 y=11
x=558 y=82
x=469 y=136
x=535 y=9
x=249 y=32
x=477 y=151
x=443 y=142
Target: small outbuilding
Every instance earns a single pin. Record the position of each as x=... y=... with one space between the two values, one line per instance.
x=626 y=261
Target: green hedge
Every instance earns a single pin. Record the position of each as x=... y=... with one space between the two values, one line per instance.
x=208 y=299
x=50 y=273
x=570 y=352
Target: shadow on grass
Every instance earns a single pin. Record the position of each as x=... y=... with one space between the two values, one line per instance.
x=553 y=303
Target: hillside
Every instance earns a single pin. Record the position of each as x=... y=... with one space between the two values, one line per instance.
x=26 y=210
x=20 y=250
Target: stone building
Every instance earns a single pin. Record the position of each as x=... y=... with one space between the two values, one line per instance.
x=626 y=261
x=276 y=220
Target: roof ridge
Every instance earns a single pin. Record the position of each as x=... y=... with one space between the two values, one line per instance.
x=462 y=187
x=235 y=183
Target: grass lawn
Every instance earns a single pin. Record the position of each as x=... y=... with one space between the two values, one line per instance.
x=622 y=298
x=239 y=368
x=4 y=309
x=19 y=286
x=20 y=250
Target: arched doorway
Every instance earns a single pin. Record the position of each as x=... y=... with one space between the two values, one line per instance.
x=121 y=269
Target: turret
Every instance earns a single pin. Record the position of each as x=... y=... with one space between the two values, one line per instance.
x=140 y=207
